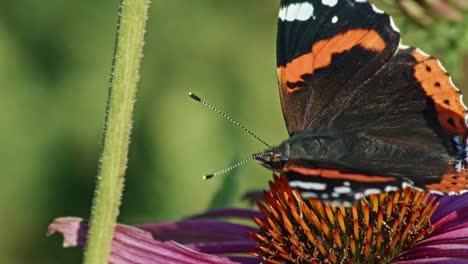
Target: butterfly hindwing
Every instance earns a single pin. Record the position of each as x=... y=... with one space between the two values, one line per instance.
x=337 y=183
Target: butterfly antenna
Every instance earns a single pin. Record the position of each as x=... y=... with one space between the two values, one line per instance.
x=198 y=99
x=240 y=163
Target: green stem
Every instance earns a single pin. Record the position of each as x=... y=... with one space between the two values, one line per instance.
x=121 y=99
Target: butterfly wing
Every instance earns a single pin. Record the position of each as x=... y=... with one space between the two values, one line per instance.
x=325 y=49
x=335 y=182
x=342 y=60
x=341 y=67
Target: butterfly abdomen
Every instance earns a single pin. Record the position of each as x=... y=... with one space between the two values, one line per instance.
x=406 y=157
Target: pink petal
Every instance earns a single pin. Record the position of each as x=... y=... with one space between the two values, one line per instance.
x=432 y=261
x=73 y=230
x=448 y=243
x=452 y=250
x=445 y=10
x=133 y=245
x=459 y=235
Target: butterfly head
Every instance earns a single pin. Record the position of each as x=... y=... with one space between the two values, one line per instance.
x=274 y=158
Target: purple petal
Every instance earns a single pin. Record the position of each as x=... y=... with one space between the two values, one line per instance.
x=452 y=221
x=456 y=236
x=231 y=212
x=133 y=245
x=452 y=250
x=448 y=243
x=432 y=261
x=448 y=204
x=223 y=247
x=197 y=231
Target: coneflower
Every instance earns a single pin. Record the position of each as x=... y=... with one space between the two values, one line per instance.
x=403 y=227
x=375 y=230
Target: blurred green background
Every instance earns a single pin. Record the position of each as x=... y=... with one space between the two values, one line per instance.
x=56 y=58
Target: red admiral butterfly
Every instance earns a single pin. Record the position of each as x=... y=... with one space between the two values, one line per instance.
x=364 y=113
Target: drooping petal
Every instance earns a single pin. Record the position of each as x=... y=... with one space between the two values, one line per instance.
x=197 y=231
x=134 y=245
x=73 y=230
x=230 y=213
x=223 y=247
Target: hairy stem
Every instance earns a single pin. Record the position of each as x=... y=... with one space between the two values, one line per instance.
x=118 y=123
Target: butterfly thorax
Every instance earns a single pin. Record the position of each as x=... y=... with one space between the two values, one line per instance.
x=306 y=145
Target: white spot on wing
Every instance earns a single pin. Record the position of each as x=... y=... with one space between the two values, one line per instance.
x=330 y=3
x=371 y=191
x=392 y=24
x=324 y=196
x=308 y=185
x=406 y=185
x=441 y=66
x=346 y=183
x=309 y=195
x=296 y=11
x=347 y=204
x=358 y=196
x=334 y=19
x=410 y=185
x=342 y=189
x=361 y=1
x=423 y=53
x=464 y=107
x=461 y=101
x=391 y=189
x=376 y=9
x=403 y=47
x=436 y=192
x=453 y=85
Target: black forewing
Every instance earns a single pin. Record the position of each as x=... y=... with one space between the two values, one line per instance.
x=327 y=88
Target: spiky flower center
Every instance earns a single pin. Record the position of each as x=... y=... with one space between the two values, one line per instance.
x=374 y=230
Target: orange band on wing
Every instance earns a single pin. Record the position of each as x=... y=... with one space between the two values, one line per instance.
x=437 y=84
x=322 y=51
x=334 y=174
